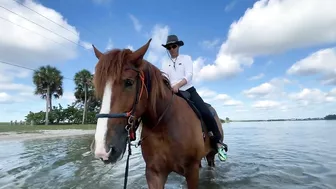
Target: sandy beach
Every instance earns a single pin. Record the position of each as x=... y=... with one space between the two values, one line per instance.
x=40 y=134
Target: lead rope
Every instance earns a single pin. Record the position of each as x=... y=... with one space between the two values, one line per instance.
x=139 y=143
x=128 y=156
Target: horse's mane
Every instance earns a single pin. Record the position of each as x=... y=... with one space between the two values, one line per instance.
x=110 y=66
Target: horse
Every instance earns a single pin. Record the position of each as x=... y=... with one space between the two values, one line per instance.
x=172 y=137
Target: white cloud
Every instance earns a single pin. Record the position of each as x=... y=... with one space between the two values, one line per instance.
x=26 y=47
x=29 y=45
x=333 y=92
x=16 y=87
x=218 y=99
x=136 y=23
x=273 y=26
x=273 y=88
x=301 y=104
x=224 y=97
x=86 y=45
x=8 y=73
x=232 y=102
x=205 y=93
x=109 y=45
x=261 y=90
x=225 y=66
x=101 y=2
x=257 y=77
x=312 y=96
x=156 y=51
x=5 y=98
x=322 y=62
x=270 y=27
x=266 y=104
x=210 y=44
x=67 y=98
x=130 y=47
x=230 y=6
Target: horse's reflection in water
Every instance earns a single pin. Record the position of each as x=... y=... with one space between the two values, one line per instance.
x=172 y=138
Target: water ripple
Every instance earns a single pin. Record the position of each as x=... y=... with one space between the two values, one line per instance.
x=262 y=155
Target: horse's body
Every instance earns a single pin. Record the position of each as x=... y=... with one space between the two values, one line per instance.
x=172 y=138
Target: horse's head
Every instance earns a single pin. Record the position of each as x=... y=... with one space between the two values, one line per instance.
x=119 y=82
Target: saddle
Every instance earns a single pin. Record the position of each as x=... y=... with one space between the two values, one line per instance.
x=186 y=96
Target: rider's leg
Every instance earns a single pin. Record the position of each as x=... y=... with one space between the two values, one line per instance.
x=206 y=114
x=209 y=120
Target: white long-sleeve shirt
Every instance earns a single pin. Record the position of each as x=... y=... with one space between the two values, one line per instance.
x=183 y=69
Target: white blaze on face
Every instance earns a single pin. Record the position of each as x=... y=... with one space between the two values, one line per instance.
x=101 y=129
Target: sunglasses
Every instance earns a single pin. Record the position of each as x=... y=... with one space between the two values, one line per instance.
x=171 y=47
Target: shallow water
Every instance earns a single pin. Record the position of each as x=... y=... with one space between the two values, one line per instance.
x=261 y=155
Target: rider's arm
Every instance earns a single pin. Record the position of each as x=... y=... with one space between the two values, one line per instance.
x=188 y=71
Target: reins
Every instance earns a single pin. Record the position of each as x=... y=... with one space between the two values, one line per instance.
x=132 y=123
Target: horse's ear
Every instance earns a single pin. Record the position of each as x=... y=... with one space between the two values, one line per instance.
x=97 y=52
x=140 y=53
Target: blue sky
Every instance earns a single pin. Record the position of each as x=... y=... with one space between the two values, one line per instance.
x=252 y=59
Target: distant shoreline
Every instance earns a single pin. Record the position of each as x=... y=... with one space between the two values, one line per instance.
x=271 y=120
x=6 y=127
x=42 y=134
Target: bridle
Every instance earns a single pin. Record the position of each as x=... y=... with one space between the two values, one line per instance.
x=131 y=114
x=133 y=123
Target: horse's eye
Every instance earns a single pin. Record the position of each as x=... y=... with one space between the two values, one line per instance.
x=128 y=83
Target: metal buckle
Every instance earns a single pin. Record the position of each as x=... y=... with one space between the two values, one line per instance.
x=128 y=127
x=131 y=120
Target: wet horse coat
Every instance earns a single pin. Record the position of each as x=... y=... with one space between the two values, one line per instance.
x=171 y=138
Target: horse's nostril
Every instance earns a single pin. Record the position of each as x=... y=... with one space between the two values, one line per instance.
x=112 y=148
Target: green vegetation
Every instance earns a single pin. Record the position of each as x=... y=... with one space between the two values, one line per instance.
x=227 y=120
x=36 y=128
x=330 y=117
x=84 y=92
x=48 y=83
x=59 y=115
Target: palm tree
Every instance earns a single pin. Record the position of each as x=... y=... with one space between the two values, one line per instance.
x=84 y=91
x=48 y=81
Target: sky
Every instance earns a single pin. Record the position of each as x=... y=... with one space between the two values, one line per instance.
x=252 y=59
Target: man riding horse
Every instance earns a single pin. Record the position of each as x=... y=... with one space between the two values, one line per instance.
x=179 y=69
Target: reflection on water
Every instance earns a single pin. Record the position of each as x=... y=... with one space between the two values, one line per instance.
x=262 y=155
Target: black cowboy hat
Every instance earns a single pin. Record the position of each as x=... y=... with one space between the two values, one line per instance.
x=173 y=39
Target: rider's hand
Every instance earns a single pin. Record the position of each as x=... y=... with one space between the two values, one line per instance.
x=175 y=88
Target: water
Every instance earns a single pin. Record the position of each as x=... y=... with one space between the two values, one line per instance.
x=261 y=155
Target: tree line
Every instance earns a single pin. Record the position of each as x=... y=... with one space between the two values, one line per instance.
x=330 y=117
x=48 y=83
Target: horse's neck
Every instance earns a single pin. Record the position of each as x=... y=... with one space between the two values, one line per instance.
x=164 y=110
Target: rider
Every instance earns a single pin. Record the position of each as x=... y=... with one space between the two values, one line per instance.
x=179 y=70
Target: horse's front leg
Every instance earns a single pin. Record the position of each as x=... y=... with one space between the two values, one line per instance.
x=156 y=178
x=192 y=175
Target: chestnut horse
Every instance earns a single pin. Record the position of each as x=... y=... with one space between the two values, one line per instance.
x=172 y=139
